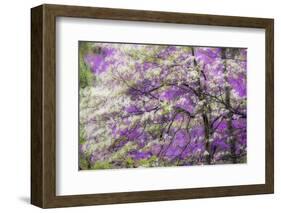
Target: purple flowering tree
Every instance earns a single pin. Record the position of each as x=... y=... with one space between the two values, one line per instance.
x=160 y=105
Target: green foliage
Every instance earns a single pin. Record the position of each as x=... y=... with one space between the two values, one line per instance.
x=82 y=135
x=150 y=162
x=155 y=129
x=101 y=165
x=146 y=56
x=129 y=162
x=83 y=164
x=86 y=77
x=119 y=154
x=166 y=108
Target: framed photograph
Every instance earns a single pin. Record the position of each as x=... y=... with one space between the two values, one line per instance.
x=136 y=106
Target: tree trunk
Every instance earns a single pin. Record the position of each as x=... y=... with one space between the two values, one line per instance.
x=202 y=97
x=231 y=139
x=208 y=156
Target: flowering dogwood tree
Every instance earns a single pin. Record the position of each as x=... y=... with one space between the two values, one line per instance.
x=161 y=105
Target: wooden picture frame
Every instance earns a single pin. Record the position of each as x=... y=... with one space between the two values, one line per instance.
x=43 y=105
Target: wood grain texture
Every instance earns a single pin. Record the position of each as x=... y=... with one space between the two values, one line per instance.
x=269 y=106
x=43 y=105
x=36 y=106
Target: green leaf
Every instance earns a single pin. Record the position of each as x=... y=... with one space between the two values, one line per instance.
x=101 y=165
